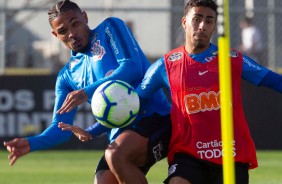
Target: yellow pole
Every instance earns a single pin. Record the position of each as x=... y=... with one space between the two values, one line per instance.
x=225 y=92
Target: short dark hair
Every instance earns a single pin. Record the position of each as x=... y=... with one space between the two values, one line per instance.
x=61 y=7
x=196 y=3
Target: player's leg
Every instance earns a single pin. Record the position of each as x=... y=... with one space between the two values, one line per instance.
x=185 y=169
x=103 y=175
x=125 y=155
x=141 y=146
x=178 y=180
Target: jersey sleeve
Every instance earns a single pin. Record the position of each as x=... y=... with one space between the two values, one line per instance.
x=154 y=79
x=53 y=136
x=97 y=129
x=253 y=72
x=260 y=75
x=127 y=54
x=272 y=80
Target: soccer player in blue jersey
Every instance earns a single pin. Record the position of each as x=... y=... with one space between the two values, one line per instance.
x=191 y=74
x=104 y=53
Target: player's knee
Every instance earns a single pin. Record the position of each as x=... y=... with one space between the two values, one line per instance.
x=105 y=176
x=114 y=155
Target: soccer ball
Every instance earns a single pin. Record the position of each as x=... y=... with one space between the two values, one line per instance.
x=115 y=104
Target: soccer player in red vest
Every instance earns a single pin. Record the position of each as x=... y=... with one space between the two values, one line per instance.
x=191 y=74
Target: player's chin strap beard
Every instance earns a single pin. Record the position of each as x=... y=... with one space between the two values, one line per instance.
x=199 y=45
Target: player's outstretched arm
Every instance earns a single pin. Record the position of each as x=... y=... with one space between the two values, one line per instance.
x=17 y=147
x=73 y=99
x=80 y=133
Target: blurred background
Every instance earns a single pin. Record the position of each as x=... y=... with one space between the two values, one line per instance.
x=30 y=58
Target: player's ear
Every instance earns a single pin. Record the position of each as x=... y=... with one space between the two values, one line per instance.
x=85 y=16
x=183 y=21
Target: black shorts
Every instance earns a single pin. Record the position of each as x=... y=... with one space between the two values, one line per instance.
x=157 y=129
x=102 y=165
x=201 y=172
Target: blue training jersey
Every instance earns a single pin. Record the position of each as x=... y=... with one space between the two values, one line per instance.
x=156 y=76
x=113 y=53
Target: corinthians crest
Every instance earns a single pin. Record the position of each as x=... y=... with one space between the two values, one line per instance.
x=98 y=51
x=175 y=56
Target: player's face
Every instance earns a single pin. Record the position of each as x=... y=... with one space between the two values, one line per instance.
x=199 y=25
x=71 y=27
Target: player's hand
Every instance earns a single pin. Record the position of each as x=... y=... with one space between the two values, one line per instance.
x=80 y=133
x=17 y=147
x=74 y=99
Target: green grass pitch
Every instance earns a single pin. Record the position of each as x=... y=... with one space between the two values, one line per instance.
x=77 y=167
